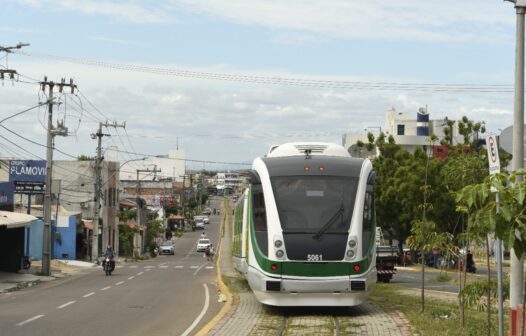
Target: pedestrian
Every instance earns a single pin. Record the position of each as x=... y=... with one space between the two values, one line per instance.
x=207 y=253
x=211 y=253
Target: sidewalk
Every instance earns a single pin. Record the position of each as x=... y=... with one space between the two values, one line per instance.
x=27 y=278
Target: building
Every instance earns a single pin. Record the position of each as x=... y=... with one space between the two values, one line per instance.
x=409 y=131
x=172 y=167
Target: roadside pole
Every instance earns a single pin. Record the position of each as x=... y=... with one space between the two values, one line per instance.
x=494 y=168
x=517 y=264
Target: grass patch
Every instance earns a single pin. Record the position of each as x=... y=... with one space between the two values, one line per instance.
x=235 y=284
x=444 y=277
x=439 y=318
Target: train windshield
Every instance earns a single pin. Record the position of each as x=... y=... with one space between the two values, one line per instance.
x=315 y=204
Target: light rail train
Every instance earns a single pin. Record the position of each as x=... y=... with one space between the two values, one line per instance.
x=304 y=230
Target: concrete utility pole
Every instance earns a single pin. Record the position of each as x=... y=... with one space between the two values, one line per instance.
x=137 y=244
x=9 y=73
x=98 y=192
x=517 y=265
x=51 y=133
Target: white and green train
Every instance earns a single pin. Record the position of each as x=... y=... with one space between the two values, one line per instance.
x=304 y=230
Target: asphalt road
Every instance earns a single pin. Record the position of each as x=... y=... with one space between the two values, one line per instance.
x=167 y=295
x=411 y=277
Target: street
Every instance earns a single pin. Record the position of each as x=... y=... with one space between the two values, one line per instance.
x=166 y=295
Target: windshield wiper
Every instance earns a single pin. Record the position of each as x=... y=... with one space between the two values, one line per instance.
x=318 y=234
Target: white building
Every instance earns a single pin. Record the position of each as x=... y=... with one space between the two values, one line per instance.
x=231 y=180
x=408 y=131
x=172 y=167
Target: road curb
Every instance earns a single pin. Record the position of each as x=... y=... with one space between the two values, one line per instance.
x=223 y=289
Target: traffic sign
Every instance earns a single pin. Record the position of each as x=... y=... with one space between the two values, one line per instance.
x=493 y=154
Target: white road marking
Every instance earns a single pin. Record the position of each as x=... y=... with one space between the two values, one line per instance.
x=197 y=270
x=66 y=304
x=29 y=320
x=179 y=266
x=119 y=283
x=105 y=288
x=203 y=312
x=149 y=267
x=134 y=266
x=162 y=264
x=209 y=267
x=194 y=267
x=140 y=273
x=148 y=270
x=89 y=294
x=131 y=277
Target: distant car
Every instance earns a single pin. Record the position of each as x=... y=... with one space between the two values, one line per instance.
x=203 y=218
x=202 y=244
x=167 y=247
x=199 y=223
x=207 y=211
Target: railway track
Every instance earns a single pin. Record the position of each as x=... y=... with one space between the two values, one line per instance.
x=284 y=323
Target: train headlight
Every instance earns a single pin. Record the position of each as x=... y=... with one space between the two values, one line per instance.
x=350 y=254
x=278 y=243
x=280 y=253
x=352 y=243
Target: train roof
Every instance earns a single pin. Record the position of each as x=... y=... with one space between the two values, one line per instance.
x=307 y=148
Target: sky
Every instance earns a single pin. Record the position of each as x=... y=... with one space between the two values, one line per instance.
x=226 y=79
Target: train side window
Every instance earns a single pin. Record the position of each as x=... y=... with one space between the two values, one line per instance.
x=368 y=212
x=260 y=217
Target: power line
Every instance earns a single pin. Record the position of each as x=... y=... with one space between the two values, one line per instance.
x=287 y=81
x=186 y=160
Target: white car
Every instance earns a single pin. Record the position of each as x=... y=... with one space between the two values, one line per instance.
x=199 y=224
x=167 y=247
x=202 y=244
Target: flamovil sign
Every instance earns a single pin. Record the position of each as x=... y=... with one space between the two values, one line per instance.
x=28 y=176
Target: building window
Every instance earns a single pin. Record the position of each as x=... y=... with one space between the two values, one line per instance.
x=400 y=129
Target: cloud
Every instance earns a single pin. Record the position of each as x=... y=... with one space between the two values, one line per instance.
x=410 y=20
x=123 y=10
x=115 y=41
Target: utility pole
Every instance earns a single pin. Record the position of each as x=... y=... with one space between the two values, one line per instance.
x=137 y=244
x=98 y=192
x=51 y=133
x=517 y=264
x=9 y=73
x=183 y=196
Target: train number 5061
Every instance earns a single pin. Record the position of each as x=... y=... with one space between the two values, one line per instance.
x=314 y=257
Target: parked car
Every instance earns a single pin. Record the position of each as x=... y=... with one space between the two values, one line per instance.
x=167 y=247
x=207 y=211
x=202 y=244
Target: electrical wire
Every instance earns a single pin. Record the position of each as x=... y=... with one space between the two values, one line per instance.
x=278 y=80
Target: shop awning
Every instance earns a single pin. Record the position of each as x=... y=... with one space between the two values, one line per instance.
x=14 y=220
x=88 y=224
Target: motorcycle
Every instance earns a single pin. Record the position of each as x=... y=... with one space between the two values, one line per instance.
x=108 y=265
x=26 y=262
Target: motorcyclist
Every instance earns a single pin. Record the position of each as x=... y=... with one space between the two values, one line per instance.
x=109 y=254
x=203 y=235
